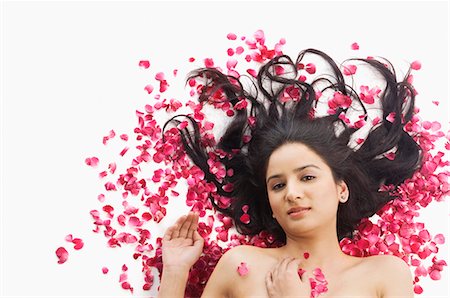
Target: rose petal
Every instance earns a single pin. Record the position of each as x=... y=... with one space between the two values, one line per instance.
x=231 y=36
x=78 y=243
x=144 y=64
x=416 y=65
x=62 y=255
x=242 y=269
x=91 y=161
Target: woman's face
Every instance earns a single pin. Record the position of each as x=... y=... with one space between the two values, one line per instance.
x=302 y=192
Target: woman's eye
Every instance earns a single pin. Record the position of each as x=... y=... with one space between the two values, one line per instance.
x=277 y=186
x=308 y=178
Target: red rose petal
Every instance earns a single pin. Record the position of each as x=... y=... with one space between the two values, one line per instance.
x=105 y=270
x=78 y=243
x=209 y=62
x=62 y=255
x=124 y=150
x=310 y=68
x=245 y=218
x=91 y=161
x=418 y=289
x=144 y=64
x=300 y=272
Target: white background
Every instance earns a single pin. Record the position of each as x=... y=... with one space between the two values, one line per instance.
x=69 y=75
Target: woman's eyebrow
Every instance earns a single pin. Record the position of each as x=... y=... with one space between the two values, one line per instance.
x=295 y=171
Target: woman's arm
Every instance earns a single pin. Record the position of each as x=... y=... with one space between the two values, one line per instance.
x=181 y=248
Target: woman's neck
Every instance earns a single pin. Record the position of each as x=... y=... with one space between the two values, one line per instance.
x=318 y=251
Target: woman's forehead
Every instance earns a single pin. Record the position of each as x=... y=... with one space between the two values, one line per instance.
x=292 y=155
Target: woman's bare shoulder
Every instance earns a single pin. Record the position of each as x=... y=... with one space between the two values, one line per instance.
x=242 y=253
x=226 y=274
x=393 y=274
x=386 y=262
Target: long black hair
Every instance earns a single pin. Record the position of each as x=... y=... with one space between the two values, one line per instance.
x=267 y=122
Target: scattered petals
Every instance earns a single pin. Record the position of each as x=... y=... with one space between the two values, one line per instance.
x=145 y=197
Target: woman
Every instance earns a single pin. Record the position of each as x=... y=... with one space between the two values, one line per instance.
x=302 y=178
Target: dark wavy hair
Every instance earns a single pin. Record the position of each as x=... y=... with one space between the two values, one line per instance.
x=364 y=168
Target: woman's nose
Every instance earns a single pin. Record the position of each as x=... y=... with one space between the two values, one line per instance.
x=294 y=191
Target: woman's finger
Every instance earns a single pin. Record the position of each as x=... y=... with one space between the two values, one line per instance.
x=178 y=224
x=193 y=226
x=294 y=264
x=269 y=283
x=198 y=240
x=184 y=229
x=169 y=232
x=285 y=263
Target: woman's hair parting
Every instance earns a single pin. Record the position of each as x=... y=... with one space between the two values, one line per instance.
x=280 y=107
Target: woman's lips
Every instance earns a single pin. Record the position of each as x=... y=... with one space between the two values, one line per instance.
x=298 y=212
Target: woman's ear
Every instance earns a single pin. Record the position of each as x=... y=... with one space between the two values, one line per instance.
x=343 y=191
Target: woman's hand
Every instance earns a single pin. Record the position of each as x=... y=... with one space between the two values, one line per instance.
x=284 y=280
x=182 y=244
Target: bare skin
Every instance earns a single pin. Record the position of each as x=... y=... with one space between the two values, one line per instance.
x=296 y=178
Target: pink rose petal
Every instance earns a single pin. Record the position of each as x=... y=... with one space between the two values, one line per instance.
x=439 y=239
x=391 y=117
x=149 y=88
x=242 y=269
x=231 y=36
x=350 y=70
x=416 y=65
